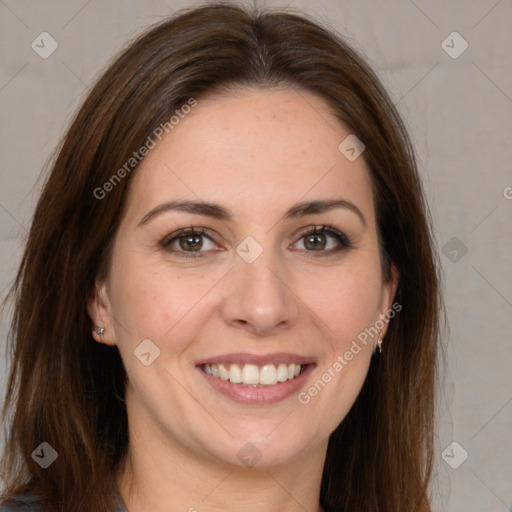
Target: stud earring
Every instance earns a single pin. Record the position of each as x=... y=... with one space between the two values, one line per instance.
x=99 y=332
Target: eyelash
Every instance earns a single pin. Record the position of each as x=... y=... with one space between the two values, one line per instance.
x=341 y=238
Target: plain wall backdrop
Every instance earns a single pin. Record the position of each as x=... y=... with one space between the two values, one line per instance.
x=448 y=67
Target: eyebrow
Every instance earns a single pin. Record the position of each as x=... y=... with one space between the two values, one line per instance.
x=217 y=211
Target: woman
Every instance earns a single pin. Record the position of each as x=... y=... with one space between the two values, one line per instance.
x=229 y=296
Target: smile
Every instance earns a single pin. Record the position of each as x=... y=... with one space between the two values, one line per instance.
x=254 y=375
x=256 y=379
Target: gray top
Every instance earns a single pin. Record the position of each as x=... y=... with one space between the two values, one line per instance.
x=28 y=503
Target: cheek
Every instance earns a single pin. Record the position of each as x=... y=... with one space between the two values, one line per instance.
x=346 y=304
x=155 y=304
x=346 y=301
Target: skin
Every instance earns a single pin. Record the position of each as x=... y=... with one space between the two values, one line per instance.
x=256 y=152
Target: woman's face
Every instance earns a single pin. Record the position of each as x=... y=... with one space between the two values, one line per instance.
x=217 y=274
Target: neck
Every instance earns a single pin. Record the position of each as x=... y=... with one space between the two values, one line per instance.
x=158 y=474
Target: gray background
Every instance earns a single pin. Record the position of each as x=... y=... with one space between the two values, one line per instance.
x=459 y=111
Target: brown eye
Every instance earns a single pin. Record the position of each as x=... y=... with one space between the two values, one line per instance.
x=188 y=241
x=315 y=241
x=192 y=242
x=324 y=240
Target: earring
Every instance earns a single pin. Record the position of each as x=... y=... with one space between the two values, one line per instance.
x=99 y=332
x=379 y=342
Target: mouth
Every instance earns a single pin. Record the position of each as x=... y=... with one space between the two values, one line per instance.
x=256 y=380
x=254 y=375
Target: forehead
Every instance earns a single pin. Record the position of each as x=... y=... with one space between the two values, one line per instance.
x=252 y=149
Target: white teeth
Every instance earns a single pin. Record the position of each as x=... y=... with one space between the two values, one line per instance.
x=268 y=375
x=252 y=375
x=215 y=370
x=224 y=373
x=282 y=373
x=235 y=374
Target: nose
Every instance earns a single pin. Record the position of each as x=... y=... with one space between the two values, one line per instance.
x=259 y=296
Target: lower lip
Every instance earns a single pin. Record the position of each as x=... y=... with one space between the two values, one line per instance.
x=258 y=396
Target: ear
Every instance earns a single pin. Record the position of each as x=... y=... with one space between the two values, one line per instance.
x=388 y=294
x=100 y=312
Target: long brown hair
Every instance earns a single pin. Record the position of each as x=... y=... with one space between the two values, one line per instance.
x=68 y=391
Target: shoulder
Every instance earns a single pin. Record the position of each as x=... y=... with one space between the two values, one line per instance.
x=29 y=503
x=20 y=503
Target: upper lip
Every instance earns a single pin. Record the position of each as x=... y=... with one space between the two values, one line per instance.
x=257 y=359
